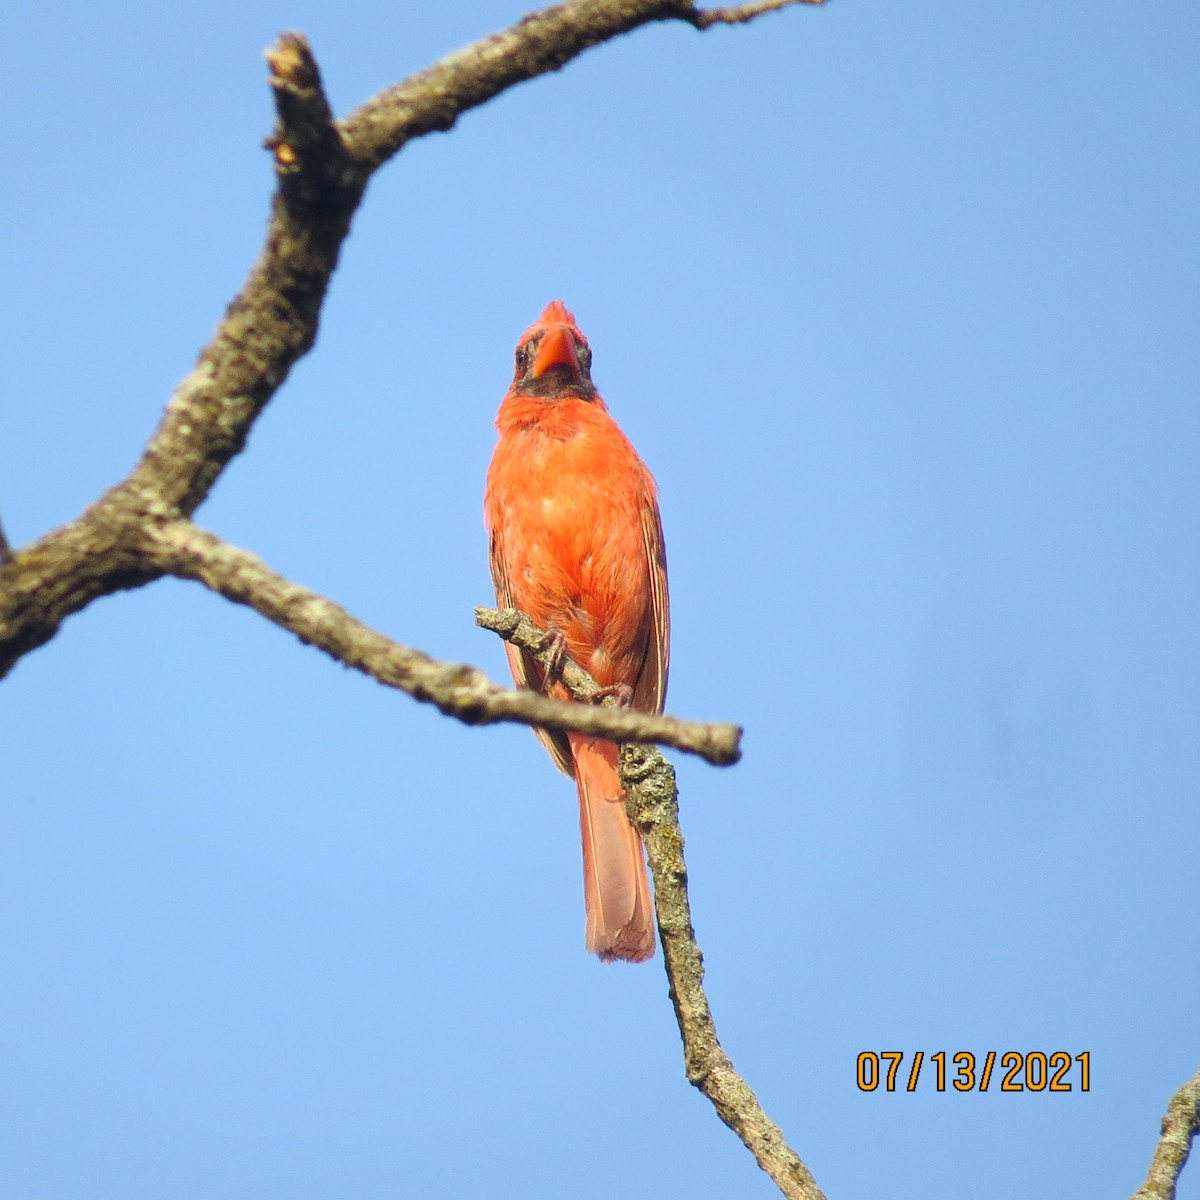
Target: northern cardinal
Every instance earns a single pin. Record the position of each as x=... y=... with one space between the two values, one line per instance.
x=577 y=544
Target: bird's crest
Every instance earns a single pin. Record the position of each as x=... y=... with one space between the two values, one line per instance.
x=557 y=313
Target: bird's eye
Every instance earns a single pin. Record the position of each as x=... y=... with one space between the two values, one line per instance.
x=522 y=357
x=585 y=357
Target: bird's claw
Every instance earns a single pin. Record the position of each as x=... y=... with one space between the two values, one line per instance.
x=555 y=649
x=622 y=692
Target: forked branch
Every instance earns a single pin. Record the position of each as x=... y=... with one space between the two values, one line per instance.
x=322 y=167
x=186 y=551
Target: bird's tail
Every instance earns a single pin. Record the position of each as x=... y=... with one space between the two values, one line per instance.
x=620 y=915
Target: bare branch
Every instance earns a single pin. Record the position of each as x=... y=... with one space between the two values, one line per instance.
x=719 y=744
x=737 y=14
x=1179 y=1126
x=540 y=42
x=182 y=549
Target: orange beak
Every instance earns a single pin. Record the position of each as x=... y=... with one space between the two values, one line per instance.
x=557 y=349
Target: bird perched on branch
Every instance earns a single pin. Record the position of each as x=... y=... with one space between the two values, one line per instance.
x=577 y=544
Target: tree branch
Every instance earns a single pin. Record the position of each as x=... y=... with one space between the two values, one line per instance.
x=652 y=801
x=182 y=549
x=1179 y=1126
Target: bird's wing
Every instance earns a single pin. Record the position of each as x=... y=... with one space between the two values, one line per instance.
x=650 y=693
x=525 y=671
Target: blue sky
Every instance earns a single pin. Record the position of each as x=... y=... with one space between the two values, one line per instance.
x=900 y=305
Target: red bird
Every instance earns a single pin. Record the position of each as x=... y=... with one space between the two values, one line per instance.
x=577 y=544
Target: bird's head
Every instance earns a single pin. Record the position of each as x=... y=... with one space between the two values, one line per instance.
x=553 y=358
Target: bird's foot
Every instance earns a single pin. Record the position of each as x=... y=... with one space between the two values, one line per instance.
x=622 y=692
x=555 y=649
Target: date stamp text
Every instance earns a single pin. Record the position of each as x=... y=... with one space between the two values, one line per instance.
x=1012 y=1071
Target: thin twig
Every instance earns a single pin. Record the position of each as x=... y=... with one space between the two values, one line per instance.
x=737 y=14
x=717 y=743
x=1179 y=1126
